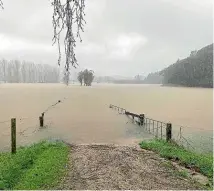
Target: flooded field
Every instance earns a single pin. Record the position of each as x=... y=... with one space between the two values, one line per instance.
x=84 y=115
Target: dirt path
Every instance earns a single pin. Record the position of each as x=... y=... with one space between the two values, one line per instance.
x=119 y=167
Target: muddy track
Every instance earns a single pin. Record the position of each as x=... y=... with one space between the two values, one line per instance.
x=120 y=167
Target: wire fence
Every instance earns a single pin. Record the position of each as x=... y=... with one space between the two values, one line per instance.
x=27 y=131
x=200 y=140
x=183 y=136
x=119 y=109
x=26 y=128
x=156 y=128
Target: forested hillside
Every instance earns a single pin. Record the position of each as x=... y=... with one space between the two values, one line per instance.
x=153 y=78
x=193 y=71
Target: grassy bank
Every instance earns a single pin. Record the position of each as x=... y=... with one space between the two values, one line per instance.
x=37 y=167
x=198 y=162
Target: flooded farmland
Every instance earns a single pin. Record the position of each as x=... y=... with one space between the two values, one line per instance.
x=83 y=116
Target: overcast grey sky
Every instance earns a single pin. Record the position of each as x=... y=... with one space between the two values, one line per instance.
x=122 y=37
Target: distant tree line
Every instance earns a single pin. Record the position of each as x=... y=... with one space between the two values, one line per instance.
x=153 y=78
x=104 y=79
x=15 y=71
x=194 y=71
x=131 y=81
x=86 y=77
x=139 y=77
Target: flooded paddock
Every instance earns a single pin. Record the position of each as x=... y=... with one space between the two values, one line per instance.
x=84 y=116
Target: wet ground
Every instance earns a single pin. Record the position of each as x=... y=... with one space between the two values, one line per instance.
x=110 y=167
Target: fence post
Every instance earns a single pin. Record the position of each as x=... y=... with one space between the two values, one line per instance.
x=13 y=135
x=41 y=120
x=153 y=127
x=168 y=132
x=141 y=118
x=156 y=134
x=161 y=130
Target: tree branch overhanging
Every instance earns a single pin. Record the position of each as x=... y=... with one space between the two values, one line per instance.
x=65 y=16
x=1 y=4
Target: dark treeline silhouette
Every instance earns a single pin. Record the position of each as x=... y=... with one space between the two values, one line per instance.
x=193 y=71
x=153 y=78
x=15 y=71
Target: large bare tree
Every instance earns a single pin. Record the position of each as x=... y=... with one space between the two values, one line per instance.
x=67 y=14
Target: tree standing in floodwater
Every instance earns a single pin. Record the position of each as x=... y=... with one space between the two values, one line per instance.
x=86 y=76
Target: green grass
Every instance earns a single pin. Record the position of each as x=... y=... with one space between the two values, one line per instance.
x=182 y=173
x=199 y=162
x=36 y=167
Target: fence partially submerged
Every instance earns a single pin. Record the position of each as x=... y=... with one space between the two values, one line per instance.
x=159 y=129
x=13 y=126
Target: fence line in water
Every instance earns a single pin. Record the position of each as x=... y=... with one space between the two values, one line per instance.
x=15 y=121
x=155 y=127
x=159 y=129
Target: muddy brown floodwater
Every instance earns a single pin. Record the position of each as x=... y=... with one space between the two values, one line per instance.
x=84 y=115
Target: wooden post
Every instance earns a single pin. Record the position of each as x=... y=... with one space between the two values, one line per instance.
x=141 y=118
x=41 y=120
x=157 y=131
x=13 y=135
x=146 y=123
x=168 y=132
x=147 y=128
x=161 y=130
x=153 y=127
